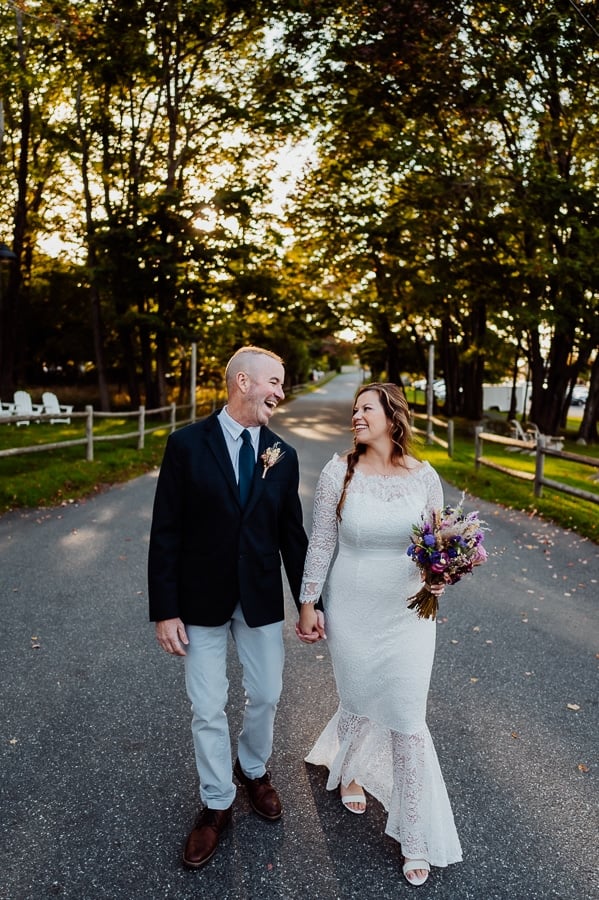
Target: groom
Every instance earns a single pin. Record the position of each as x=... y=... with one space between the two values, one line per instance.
x=226 y=512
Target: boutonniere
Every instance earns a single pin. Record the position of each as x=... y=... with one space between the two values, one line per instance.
x=271 y=457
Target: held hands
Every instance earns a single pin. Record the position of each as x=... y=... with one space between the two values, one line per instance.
x=310 y=625
x=171 y=635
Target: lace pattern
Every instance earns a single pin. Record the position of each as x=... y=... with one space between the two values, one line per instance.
x=402 y=772
x=324 y=537
x=382 y=653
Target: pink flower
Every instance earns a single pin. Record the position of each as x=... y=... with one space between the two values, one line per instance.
x=480 y=557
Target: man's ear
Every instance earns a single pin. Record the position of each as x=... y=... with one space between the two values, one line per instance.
x=242 y=379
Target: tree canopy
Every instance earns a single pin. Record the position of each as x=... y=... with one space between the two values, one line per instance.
x=448 y=190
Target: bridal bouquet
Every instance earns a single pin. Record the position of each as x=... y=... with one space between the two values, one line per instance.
x=445 y=548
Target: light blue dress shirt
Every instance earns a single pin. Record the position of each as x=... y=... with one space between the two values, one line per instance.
x=232 y=432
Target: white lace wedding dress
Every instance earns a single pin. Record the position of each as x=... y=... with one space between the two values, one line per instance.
x=382 y=653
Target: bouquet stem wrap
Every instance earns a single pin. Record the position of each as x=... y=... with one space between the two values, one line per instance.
x=425 y=601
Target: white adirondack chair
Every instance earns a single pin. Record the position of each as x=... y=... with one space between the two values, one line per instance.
x=532 y=433
x=24 y=407
x=60 y=411
x=518 y=434
x=6 y=410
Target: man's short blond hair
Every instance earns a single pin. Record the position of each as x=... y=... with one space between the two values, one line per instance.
x=242 y=359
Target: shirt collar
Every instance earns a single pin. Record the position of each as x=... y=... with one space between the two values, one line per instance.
x=235 y=429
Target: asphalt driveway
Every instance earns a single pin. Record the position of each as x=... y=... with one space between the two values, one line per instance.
x=98 y=787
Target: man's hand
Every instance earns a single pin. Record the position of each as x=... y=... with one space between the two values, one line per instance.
x=171 y=635
x=310 y=625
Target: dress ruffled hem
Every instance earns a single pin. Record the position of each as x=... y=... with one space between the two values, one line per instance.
x=402 y=772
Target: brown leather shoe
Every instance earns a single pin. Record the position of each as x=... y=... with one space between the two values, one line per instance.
x=263 y=798
x=203 y=838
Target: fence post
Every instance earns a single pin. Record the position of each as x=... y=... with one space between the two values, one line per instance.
x=142 y=428
x=192 y=388
x=478 y=445
x=430 y=432
x=450 y=438
x=89 y=433
x=430 y=397
x=540 y=465
x=173 y=417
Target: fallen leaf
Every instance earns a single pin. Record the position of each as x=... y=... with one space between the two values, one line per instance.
x=582 y=768
x=515 y=735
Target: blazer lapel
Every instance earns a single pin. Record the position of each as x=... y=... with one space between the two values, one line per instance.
x=220 y=451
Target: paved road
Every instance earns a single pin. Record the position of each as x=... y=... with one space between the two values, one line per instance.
x=97 y=777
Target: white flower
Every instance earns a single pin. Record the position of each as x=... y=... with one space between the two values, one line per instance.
x=271 y=457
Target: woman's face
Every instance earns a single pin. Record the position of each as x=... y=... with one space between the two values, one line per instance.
x=369 y=421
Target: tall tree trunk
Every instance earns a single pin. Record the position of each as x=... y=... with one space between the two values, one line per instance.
x=474 y=367
x=588 y=427
x=127 y=342
x=94 y=291
x=11 y=297
x=450 y=367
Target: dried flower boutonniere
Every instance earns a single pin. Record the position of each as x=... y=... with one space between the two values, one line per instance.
x=271 y=457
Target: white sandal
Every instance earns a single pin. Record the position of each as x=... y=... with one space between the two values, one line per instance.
x=411 y=865
x=354 y=798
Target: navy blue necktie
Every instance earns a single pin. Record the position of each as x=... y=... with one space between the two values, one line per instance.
x=247 y=464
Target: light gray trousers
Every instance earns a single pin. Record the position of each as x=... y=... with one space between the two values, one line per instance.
x=260 y=651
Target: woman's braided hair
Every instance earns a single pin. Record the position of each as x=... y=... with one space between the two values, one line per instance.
x=397 y=412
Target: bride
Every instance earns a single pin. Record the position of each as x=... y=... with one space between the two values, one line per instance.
x=382 y=653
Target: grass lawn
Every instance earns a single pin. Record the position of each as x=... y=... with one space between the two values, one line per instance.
x=51 y=477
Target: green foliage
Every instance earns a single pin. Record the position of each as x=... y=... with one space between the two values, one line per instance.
x=450 y=190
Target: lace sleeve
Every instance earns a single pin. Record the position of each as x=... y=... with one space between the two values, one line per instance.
x=434 y=491
x=323 y=539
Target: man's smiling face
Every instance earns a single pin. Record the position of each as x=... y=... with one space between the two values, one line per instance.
x=263 y=390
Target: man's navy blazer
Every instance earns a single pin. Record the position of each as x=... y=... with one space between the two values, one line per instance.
x=207 y=553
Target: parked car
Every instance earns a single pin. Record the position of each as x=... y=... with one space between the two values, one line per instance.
x=580 y=395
